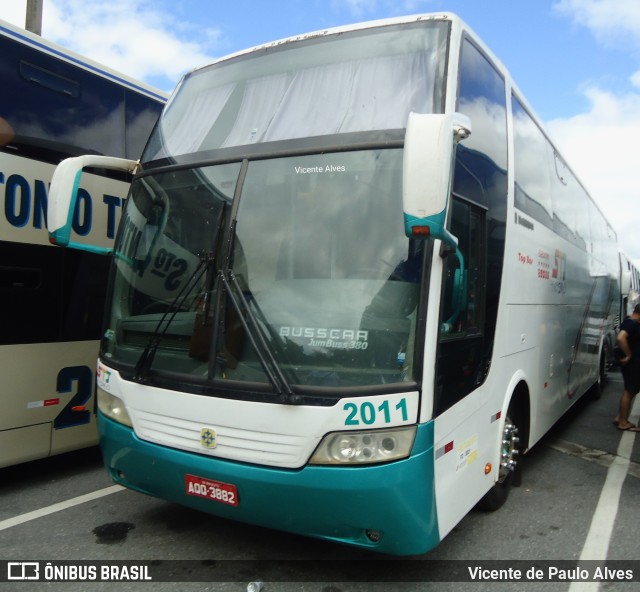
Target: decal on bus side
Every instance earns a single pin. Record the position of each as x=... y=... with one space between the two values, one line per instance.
x=103 y=375
x=25 y=203
x=467 y=452
x=74 y=412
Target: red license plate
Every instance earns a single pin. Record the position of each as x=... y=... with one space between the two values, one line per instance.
x=225 y=493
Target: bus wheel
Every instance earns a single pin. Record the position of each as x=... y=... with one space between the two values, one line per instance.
x=497 y=495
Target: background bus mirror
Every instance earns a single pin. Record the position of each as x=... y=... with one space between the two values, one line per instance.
x=63 y=196
x=427 y=169
x=625 y=282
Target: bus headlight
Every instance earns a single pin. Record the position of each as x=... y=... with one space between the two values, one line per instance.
x=113 y=407
x=359 y=448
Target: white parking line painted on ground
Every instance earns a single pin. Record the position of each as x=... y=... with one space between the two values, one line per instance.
x=597 y=542
x=81 y=499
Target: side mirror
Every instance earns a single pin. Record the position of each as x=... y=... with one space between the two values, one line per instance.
x=63 y=196
x=427 y=170
x=625 y=282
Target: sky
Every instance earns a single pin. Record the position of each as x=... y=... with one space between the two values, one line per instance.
x=576 y=61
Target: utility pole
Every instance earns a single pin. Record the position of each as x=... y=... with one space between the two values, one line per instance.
x=33 y=21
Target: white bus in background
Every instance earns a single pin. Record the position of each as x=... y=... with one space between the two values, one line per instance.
x=353 y=282
x=56 y=104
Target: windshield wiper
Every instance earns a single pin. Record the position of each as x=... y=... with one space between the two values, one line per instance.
x=258 y=341
x=143 y=365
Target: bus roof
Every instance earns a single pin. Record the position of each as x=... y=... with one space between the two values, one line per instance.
x=46 y=46
x=435 y=16
x=441 y=16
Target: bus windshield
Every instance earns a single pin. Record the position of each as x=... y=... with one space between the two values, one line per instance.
x=311 y=266
x=349 y=82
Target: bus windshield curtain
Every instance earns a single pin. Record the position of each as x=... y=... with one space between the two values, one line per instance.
x=362 y=95
x=188 y=132
x=375 y=94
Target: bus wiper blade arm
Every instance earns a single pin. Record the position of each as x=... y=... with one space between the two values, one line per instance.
x=143 y=365
x=256 y=336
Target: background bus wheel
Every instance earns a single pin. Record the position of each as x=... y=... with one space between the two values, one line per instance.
x=510 y=450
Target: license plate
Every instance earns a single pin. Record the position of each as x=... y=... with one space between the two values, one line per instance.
x=225 y=493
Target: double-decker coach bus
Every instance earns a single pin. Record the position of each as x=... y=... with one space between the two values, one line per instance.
x=353 y=282
x=56 y=104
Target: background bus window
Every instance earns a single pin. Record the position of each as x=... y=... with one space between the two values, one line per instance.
x=141 y=115
x=37 y=307
x=56 y=109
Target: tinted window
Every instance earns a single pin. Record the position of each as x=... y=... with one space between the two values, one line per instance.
x=462 y=364
x=141 y=116
x=547 y=190
x=57 y=109
x=481 y=168
x=532 y=158
x=471 y=286
x=50 y=294
x=481 y=161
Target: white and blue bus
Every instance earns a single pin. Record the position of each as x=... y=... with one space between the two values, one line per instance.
x=56 y=104
x=353 y=282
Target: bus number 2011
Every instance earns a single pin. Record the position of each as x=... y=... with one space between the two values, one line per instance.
x=366 y=413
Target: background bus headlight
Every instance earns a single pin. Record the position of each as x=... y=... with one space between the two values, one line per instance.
x=357 y=448
x=113 y=407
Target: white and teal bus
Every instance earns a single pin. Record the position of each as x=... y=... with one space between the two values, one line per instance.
x=353 y=281
x=56 y=104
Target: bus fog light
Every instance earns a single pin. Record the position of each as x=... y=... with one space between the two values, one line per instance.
x=375 y=446
x=113 y=408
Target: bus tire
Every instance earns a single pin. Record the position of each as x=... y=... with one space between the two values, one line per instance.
x=509 y=460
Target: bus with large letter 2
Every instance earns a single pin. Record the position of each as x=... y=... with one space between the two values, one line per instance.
x=56 y=104
x=354 y=281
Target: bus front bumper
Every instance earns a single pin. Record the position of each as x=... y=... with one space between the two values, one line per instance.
x=388 y=508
